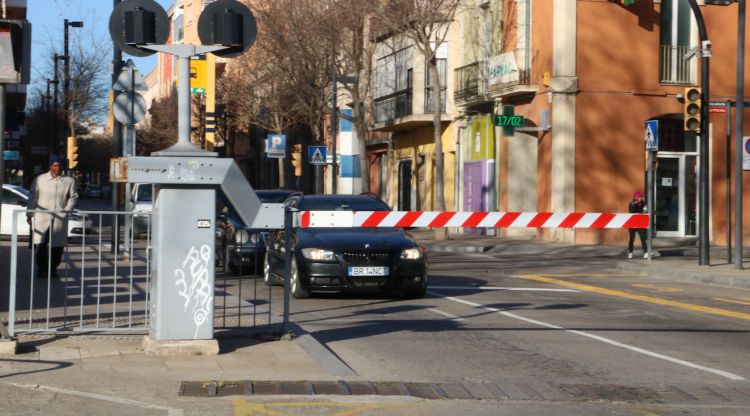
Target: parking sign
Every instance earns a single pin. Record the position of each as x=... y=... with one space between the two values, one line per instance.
x=276 y=146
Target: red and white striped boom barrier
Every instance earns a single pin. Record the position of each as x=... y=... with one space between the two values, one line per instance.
x=355 y=219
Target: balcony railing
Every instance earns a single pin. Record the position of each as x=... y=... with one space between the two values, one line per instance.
x=391 y=106
x=468 y=81
x=428 y=105
x=673 y=68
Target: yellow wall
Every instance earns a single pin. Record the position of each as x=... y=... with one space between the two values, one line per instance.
x=414 y=144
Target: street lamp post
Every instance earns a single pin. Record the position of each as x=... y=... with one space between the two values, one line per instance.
x=66 y=80
x=335 y=123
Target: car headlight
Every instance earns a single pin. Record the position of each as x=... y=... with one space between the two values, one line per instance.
x=241 y=237
x=317 y=254
x=254 y=238
x=411 y=253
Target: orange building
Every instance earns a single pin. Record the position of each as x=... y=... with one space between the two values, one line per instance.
x=587 y=75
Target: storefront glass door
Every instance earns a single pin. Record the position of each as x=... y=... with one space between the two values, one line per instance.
x=675 y=213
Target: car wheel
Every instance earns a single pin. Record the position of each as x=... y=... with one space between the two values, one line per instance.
x=267 y=278
x=296 y=286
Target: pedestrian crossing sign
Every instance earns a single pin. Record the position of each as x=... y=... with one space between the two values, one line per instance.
x=317 y=155
x=652 y=135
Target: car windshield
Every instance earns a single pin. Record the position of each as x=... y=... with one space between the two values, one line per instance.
x=23 y=191
x=342 y=204
x=273 y=197
x=144 y=193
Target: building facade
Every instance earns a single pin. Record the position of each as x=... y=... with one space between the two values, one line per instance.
x=586 y=76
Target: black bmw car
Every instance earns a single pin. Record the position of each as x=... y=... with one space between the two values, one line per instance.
x=347 y=259
x=240 y=249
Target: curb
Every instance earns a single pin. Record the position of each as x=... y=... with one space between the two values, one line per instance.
x=320 y=353
x=451 y=248
x=677 y=273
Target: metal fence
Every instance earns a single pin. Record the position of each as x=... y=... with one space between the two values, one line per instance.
x=104 y=280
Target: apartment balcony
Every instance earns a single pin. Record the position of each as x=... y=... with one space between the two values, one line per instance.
x=674 y=69
x=521 y=85
x=471 y=84
x=394 y=112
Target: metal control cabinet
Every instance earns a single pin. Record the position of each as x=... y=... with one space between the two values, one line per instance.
x=184 y=241
x=184 y=262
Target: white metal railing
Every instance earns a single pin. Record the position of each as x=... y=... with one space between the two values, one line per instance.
x=673 y=67
x=99 y=289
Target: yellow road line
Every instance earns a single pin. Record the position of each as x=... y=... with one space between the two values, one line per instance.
x=650 y=299
x=245 y=408
x=739 y=302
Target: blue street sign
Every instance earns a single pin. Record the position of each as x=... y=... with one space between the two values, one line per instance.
x=652 y=135
x=10 y=155
x=276 y=146
x=316 y=155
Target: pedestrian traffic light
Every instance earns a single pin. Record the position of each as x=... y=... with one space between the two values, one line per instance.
x=297 y=159
x=692 y=112
x=15 y=51
x=72 y=153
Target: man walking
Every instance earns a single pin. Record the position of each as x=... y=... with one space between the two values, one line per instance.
x=51 y=191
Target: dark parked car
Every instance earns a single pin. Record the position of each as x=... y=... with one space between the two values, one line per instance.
x=345 y=259
x=94 y=191
x=240 y=249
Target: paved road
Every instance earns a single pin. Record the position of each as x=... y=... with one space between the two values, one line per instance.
x=543 y=329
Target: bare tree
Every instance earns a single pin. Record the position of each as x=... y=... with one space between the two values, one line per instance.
x=158 y=131
x=425 y=23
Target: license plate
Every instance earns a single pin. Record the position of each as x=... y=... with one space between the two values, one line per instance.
x=368 y=271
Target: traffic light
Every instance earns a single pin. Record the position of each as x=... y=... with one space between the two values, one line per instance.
x=297 y=159
x=15 y=51
x=692 y=109
x=72 y=153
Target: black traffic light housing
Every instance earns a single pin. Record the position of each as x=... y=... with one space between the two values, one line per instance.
x=138 y=22
x=692 y=111
x=15 y=51
x=227 y=23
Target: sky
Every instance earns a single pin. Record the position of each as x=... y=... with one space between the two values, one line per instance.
x=47 y=22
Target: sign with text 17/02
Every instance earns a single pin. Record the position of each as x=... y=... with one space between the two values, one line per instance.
x=276 y=146
x=502 y=120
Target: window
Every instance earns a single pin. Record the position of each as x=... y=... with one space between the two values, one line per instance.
x=442 y=64
x=12 y=198
x=393 y=72
x=675 y=41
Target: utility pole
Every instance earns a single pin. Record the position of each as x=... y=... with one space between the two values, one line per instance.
x=334 y=131
x=70 y=129
x=116 y=141
x=739 y=128
x=703 y=200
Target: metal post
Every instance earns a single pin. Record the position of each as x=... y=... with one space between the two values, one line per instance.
x=55 y=134
x=183 y=100
x=739 y=128
x=334 y=131
x=650 y=203
x=2 y=136
x=116 y=140
x=288 y=253
x=729 y=179
x=703 y=205
x=66 y=86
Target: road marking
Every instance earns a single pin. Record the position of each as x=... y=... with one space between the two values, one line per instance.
x=739 y=302
x=519 y=289
x=650 y=299
x=245 y=408
x=121 y=400
x=605 y=340
x=446 y=314
x=655 y=288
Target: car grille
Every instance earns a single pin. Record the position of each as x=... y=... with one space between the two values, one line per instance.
x=366 y=256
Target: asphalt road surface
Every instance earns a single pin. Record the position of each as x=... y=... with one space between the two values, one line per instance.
x=550 y=329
